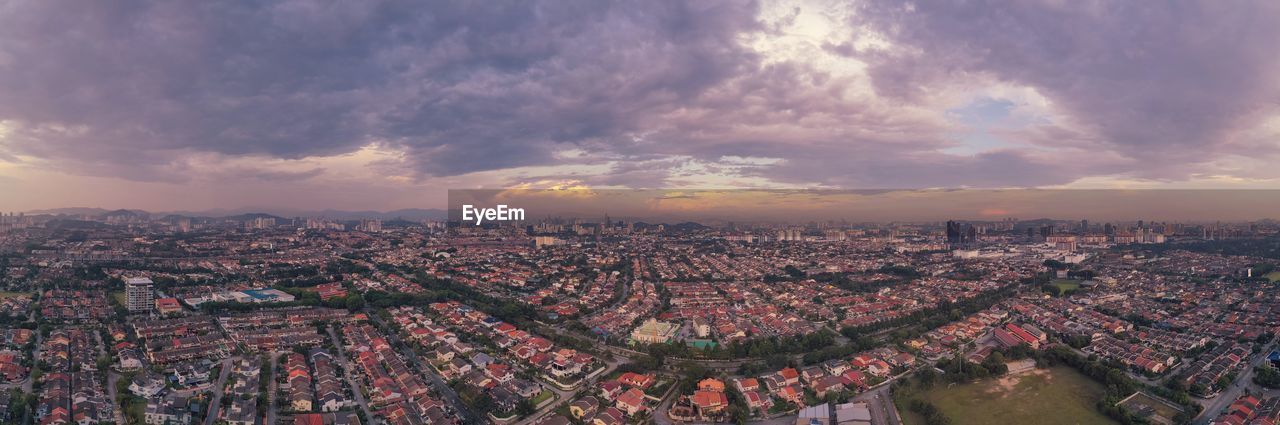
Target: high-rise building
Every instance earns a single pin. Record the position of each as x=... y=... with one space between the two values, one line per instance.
x=959 y=234
x=372 y=225
x=138 y=294
x=953 y=232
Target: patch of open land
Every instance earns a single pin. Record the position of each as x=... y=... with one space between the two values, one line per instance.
x=1055 y=396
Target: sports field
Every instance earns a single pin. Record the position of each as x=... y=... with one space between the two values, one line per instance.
x=1056 y=396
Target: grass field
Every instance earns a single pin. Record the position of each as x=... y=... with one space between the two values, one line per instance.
x=1066 y=284
x=1056 y=396
x=1273 y=276
x=119 y=296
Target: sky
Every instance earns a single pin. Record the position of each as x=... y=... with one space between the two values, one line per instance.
x=381 y=105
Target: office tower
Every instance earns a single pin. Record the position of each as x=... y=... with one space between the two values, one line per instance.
x=138 y=295
x=953 y=232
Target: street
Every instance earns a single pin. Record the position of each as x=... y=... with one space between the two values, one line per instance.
x=272 y=387
x=216 y=402
x=346 y=372
x=880 y=402
x=436 y=381
x=1213 y=407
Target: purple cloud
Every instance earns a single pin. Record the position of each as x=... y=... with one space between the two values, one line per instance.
x=645 y=91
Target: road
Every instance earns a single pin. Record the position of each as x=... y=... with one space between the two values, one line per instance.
x=1215 y=405
x=356 y=389
x=112 y=378
x=35 y=355
x=273 y=387
x=218 y=389
x=441 y=387
x=880 y=402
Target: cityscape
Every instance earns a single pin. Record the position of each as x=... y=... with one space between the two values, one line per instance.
x=666 y=212
x=130 y=317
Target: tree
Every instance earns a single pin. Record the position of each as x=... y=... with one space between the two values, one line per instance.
x=355 y=302
x=1266 y=376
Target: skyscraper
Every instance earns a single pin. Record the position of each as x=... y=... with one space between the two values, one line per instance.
x=958 y=234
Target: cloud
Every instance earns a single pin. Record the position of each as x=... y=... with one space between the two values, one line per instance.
x=640 y=94
x=459 y=87
x=1165 y=86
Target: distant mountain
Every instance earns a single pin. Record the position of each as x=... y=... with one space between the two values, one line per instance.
x=86 y=211
x=251 y=216
x=250 y=213
x=407 y=214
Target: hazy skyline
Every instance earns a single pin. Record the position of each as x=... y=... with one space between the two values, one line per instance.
x=382 y=105
x=673 y=205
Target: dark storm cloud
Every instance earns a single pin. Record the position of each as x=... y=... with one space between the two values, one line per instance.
x=1160 y=81
x=127 y=88
x=652 y=92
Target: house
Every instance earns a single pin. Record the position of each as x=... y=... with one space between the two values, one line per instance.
x=168 y=306
x=746 y=384
x=524 y=388
x=444 y=354
x=130 y=359
x=879 y=368
x=758 y=401
x=565 y=366
x=584 y=407
x=504 y=399
x=791 y=393
x=773 y=382
x=610 y=416
x=190 y=374
x=811 y=374
x=309 y=419
x=636 y=380
x=146 y=385
x=610 y=390
x=711 y=384
x=709 y=403
x=789 y=376
x=836 y=366
x=827 y=385
x=457 y=367
x=499 y=372
x=170 y=409
x=481 y=359
x=631 y=402
x=241 y=412
x=855 y=379
x=903 y=359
